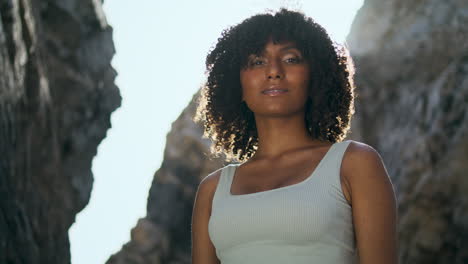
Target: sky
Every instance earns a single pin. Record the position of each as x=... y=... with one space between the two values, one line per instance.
x=160 y=54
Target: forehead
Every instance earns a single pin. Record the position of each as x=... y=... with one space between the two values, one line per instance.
x=271 y=47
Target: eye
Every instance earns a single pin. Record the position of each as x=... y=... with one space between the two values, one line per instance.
x=294 y=60
x=256 y=61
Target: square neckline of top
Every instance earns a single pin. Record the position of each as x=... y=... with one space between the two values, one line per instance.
x=311 y=175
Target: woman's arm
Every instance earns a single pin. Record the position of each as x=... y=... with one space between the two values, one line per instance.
x=203 y=251
x=373 y=205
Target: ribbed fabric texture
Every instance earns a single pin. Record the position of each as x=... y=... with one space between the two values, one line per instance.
x=305 y=223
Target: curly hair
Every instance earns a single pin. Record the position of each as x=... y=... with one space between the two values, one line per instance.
x=226 y=118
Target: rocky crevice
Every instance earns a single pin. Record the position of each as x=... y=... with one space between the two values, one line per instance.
x=56 y=95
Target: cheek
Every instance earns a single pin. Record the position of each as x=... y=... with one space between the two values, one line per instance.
x=249 y=82
x=303 y=78
x=302 y=82
x=303 y=74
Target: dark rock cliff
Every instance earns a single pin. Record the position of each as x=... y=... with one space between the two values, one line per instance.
x=56 y=95
x=412 y=84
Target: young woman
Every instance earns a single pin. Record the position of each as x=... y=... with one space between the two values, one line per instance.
x=279 y=99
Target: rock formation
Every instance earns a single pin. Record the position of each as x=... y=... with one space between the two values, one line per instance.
x=412 y=76
x=56 y=95
x=412 y=84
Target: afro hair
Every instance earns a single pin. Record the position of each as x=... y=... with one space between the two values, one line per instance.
x=227 y=120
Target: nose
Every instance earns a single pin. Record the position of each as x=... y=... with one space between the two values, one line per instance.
x=274 y=70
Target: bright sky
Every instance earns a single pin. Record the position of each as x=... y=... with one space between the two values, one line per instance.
x=161 y=49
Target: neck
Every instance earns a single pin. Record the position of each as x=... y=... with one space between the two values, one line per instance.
x=277 y=135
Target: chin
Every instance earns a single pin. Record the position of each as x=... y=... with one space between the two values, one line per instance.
x=275 y=112
x=276 y=109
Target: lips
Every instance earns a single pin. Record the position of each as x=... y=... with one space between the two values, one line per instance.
x=274 y=90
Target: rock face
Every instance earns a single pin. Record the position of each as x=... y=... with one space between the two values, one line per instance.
x=412 y=84
x=412 y=75
x=56 y=95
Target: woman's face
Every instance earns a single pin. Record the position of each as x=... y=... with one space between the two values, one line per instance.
x=276 y=82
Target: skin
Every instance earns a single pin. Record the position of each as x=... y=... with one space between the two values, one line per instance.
x=287 y=155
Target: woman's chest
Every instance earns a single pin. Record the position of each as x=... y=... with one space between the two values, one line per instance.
x=260 y=179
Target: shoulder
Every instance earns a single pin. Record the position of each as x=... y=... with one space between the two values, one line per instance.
x=362 y=165
x=360 y=155
x=207 y=186
x=209 y=183
x=355 y=145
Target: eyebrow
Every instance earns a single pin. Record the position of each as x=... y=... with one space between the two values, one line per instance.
x=288 y=47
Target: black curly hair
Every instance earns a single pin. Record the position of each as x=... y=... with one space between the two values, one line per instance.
x=227 y=119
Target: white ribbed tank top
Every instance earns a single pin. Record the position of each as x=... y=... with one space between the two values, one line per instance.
x=305 y=223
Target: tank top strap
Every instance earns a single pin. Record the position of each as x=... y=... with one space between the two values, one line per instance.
x=337 y=153
x=222 y=189
x=332 y=168
x=331 y=160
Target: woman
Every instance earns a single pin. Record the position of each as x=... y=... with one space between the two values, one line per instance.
x=279 y=99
